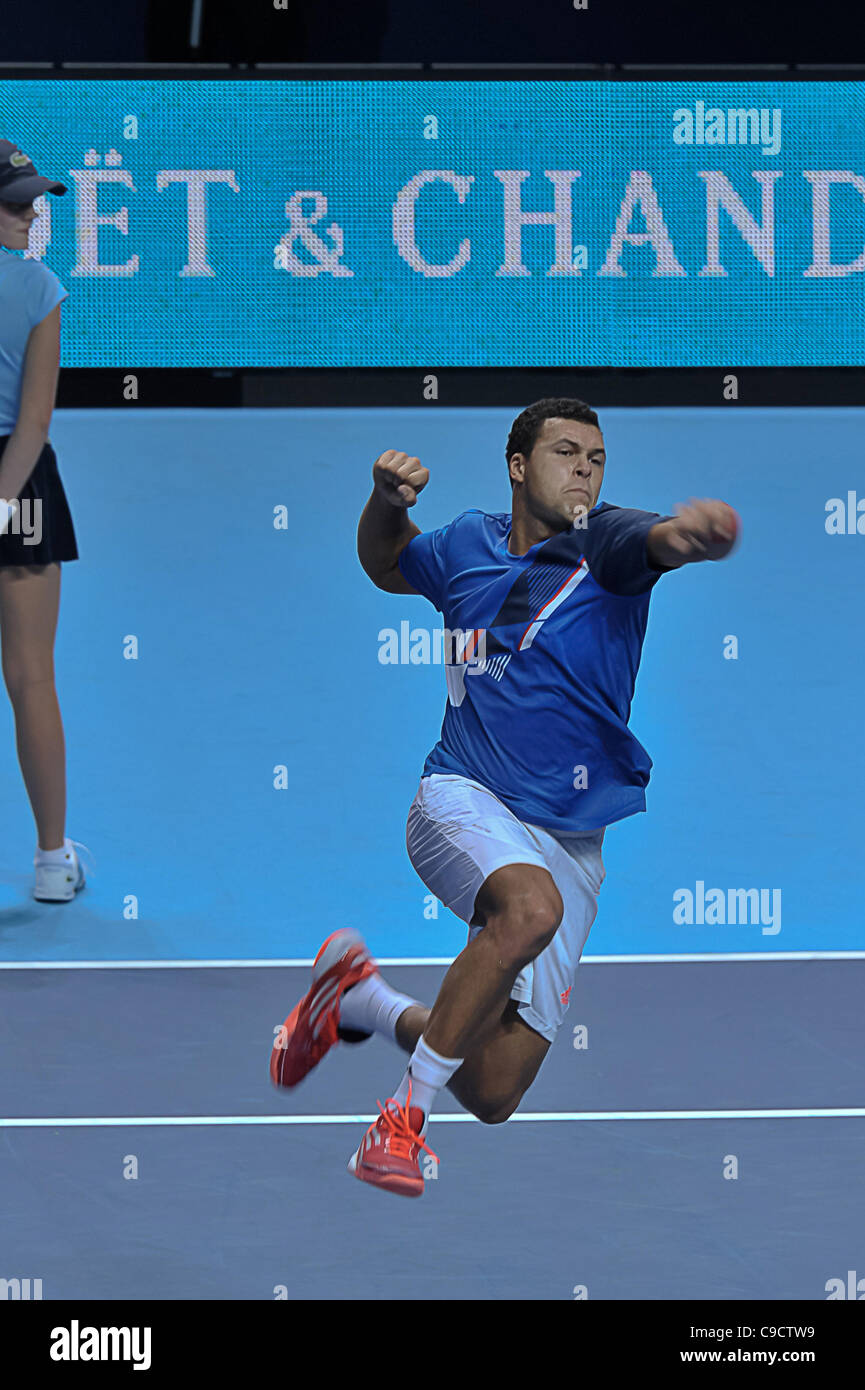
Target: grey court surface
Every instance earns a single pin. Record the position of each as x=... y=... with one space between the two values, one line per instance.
x=613 y=1184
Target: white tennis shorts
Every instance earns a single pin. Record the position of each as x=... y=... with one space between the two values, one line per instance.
x=458 y=833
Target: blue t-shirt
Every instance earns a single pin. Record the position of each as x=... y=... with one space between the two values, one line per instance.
x=28 y=293
x=541 y=661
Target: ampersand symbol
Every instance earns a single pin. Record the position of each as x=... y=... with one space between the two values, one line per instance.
x=300 y=225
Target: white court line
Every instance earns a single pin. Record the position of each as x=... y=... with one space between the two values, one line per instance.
x=132 y=1121
x=693 y=958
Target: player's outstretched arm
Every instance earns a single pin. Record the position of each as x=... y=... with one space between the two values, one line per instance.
x=384 y=529
x=705 y=529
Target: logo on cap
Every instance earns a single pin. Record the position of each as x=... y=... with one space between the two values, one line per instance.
x=19 y=159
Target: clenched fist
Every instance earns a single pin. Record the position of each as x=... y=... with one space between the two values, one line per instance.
x=399 y=478
x=705 y=529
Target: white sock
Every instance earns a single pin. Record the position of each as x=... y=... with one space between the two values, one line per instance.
x=55 y=856
x=428 y=1073
x=373 y=1007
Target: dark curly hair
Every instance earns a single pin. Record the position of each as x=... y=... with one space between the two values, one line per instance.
x=527 y=426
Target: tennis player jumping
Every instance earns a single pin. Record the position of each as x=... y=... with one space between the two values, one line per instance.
x=534 y=761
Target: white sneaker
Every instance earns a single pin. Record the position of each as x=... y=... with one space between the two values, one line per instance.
x=58 y=882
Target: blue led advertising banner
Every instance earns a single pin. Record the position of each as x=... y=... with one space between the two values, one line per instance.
x=464 y=223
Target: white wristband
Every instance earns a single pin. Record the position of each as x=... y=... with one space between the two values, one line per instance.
x=7 y=512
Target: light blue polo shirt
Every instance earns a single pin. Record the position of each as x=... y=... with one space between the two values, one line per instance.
x=28 y=292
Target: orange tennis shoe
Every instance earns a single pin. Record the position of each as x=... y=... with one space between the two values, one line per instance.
x=389 y=1153
x=312 y=1028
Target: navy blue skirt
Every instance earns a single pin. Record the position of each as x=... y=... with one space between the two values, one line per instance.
x=43 y=533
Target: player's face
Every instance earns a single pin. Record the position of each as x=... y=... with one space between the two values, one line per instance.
x=563 y=474
x=15 y=220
